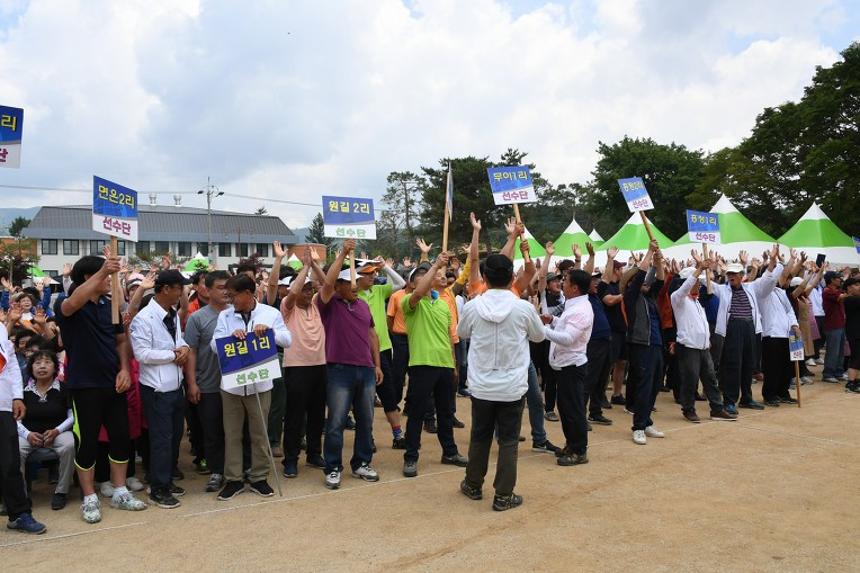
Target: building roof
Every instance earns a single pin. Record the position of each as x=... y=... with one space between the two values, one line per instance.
x=163 y=223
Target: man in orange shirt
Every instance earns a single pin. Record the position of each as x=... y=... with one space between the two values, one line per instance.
x=399 y=341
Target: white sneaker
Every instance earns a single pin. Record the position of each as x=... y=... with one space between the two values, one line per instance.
x=366 y=473
x=804 y=380
x=819 y=361
x=653 y=432
x=811 y=362
x=332 y=480
x=91 y=511
x=127 y=502
x=106 y=489
x=639 y=437
x=134 y=484
x=843 y=376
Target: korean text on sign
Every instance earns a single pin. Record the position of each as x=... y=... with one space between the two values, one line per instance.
x=114 y=209
x=348 y=217
x=795 y=347
x=248 y=361
x=511 y=185
x=703 y=227
x=635 y=194
x=11 y=127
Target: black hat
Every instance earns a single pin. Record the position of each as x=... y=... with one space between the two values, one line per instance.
x=171 y=277
x=831 y=275
x=552 y=277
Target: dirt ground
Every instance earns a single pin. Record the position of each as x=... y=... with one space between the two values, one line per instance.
x=775 y=491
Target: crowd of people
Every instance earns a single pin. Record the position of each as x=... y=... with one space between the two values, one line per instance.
x=110 y=401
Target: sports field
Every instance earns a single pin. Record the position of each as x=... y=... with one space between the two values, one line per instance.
x=775 y=491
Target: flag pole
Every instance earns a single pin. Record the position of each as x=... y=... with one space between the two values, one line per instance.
x=445 y=228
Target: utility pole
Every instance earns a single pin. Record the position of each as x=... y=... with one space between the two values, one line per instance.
x=210 y=192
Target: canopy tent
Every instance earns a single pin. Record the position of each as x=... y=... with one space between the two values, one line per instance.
x=737 y=233
x=595 y=237
x=815 y=233
x=294 y=262
x=572 y=235
x=198 y=263
x=536 y=250
x=35 y=272
x=632 y=236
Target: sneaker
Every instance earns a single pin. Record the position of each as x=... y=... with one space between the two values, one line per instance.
x=164 y=499
x=332 y=480
x=618 y=399
x=723 y=416
x=626 y=411
x=26 y=524
x=691 y=416
x=653 y=432
x=853 y=387
x=315 y=461
x=262 y=488
x=177 y=475
x=91 y=511
x=811 y=362
x=830 y=380
x=700 y=398
x=470 y=492
x=398 y=443
x=175 y=490
x=550 y=416
x=819 y=361
x=128 y=502
x=546 y=446
x=230 y=490
x=752 y=405
x=772 y=402
x=639 y=437
x=604 y=403
x=366 y=473
x=134 y=484
x=106 y=489
x=458 y=423
x=430 y=426
x=58 y=501
x=464 y=393
x=202 y=467
x=457 y=459
x=787 y=400
x=410 y=468
x=572 y=459
x=506 y=502
x=843 y=376
x=804 y=380
x=214 y=483
x=600 y=419
x=291 y=469
x=731 y=409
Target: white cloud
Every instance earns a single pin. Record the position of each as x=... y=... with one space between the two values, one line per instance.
x=292 y=100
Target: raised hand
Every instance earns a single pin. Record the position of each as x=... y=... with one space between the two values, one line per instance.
x=612 y=252
x=442 y=260
x=348 y=247
x=743 y=257
x=774 y=252
x=278 y=250
x=40 y=317
x=307 y=257
x=577 y=251
x=550 y=249
x=590 y=248
x=425 y=248
x=476 y=224
x=148 y=281
x=696 y=256
x=653 y=246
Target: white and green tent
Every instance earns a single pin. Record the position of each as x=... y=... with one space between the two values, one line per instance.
x=595 y=237
x=632 y=236
x=737 y=233
x=536 y=250
x=815 y=233
x=572 y=235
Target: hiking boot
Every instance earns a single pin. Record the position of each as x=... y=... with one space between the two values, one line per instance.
x=470 y=492
x=230 y=490
x=214 y=483
x=430 y=426
x=506 y=502
x=26 y=524
x=410 y=468
x=550 y=416
x=691 y=416
x=723 y=416
x=457 y=459
x=366 y=473
x=572 y=459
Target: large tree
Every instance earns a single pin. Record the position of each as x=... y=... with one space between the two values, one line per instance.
x=316 y=232
x=17 y=225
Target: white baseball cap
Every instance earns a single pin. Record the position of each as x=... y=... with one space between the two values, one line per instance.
x=734 y=268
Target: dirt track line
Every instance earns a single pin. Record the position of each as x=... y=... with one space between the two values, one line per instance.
x=801 y=436
x=68 y=535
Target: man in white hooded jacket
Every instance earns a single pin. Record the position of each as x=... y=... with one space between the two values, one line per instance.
x=499 y=326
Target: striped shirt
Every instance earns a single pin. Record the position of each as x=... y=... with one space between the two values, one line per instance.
x=740 y=307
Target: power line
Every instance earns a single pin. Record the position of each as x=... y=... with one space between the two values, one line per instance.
x=73 y=190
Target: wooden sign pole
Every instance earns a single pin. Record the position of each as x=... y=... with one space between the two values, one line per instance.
x=352 y=268
x=519 y=219
x=797 y=382
x=647 y=225
x=707 y=273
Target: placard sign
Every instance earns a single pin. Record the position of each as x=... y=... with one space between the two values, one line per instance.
x=703 y=227
x=511 y=185
x=248 y=361
x=795 y=347
x=11 y=128
x=633 y=189
x=857 y=244
x=348 y=218
x=114 y=210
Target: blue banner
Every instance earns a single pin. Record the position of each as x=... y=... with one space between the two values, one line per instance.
x=511 y=184
x=857 y=244
x=235 y=355
x=703 y=227
x=11 y=124
x=347 y=211
x=113 y=200
x=635 y=194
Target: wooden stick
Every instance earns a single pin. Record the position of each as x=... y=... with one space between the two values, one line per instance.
x=352 y=269
x=797 y=382
x=707 y=274
x=114 y=285
x=647 y=225
x=519 y=219
x=445 y=229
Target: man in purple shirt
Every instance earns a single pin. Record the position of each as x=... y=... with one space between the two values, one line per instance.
x=353 y=369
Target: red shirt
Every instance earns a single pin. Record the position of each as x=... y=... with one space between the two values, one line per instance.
x=834 y=310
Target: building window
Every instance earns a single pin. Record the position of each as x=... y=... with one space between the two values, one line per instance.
x=71 y=247
x=183 y=249
x=143 y=249
x=263 y=249
x=224 y=250
x=162 y=247
x=96 y=247
x=203 y=249
x=52 y=274
x=120 y=247
x=49 y=246
x=241 y=249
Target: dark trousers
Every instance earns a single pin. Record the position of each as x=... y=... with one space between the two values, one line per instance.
x=430 y=384
x=736 y=364
x=164 y=413
x=818 y=343
x=211 y=413
x=102 y=471
x=400 y=362
x=306 y=400
x=670 y=365
x=647 y=363
x=487 y=417
x=571 y=407
x=14 y=490
x=598 y=373
x=195 y=432
x=275 y=421
x=716 y=347
x=694 y=365
x=548 y=376
x=776 y=367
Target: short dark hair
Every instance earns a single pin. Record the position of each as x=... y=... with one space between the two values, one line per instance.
x=42 y=354
x=287 y=271
x=245 y=267
x=564 y=265
x=216 y=276
x=580 y=278
x=242 y=283
x=198 y=276
x=498 y=271
x=86 y=266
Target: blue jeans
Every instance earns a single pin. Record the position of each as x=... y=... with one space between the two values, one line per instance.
x=349 y=387
x=536 y=409
x=835 y=353
x=165 y=415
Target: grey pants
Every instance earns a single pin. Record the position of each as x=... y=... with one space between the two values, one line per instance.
x=236 y=410
x=695 y=365
x=64 y=446
x=486 y=416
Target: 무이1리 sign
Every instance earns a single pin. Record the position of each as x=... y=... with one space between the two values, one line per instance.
x=248 y=361
x=348 y=218
x=511 y=185
x=795 y=347
x=11 y=127
x=114 y=210
x=633 y=189
x=703 y=227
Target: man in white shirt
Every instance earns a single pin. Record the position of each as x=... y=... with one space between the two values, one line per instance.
x=569 y=335
x=500 y=327
x=693 y=344
x=777 y=321
x=156 y=339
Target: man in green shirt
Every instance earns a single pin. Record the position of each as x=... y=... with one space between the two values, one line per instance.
x=431 y=366
x=376 y=296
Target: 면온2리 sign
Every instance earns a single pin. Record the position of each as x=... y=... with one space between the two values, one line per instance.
x=633 y=189
x=248 y=361
x=11 y=128
x=703 y=227
x=348 y=218
x=511 y=185
x=114 y=210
